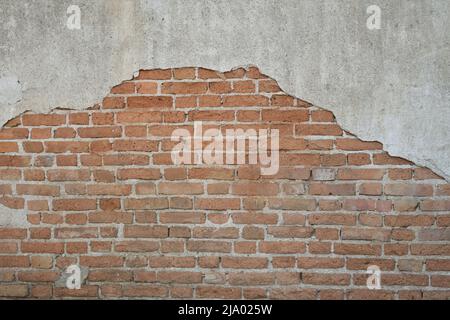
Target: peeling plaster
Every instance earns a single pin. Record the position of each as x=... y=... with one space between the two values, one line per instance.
x=390 y=85
x=15 y=218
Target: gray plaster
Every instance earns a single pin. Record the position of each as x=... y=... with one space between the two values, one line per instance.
x=390 y=85
x=15 y=220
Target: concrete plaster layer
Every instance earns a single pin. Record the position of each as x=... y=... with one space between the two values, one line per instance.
x=390 y=85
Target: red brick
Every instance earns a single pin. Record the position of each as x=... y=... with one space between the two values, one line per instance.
x=184 y=87
x=318 y=130
x=138 y=174
x=14 y=133
x=245 y=101
x=155 y=102
x=43 y=119
x=285 y=116
x=184 y=73
x=156 y=74
x=124 y=88
x=74 y=205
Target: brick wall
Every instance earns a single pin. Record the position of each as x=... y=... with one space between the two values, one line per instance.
x=99 y=190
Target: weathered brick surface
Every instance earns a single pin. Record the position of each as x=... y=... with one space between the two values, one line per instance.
x=100 y=190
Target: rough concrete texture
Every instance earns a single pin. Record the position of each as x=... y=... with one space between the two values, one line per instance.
x=390 y=85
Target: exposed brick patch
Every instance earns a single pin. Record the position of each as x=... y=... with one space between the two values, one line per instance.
x=100 y=190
